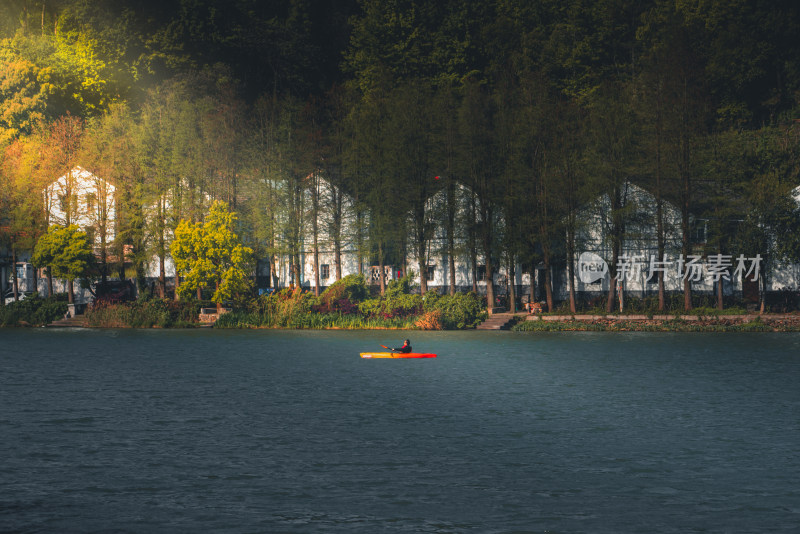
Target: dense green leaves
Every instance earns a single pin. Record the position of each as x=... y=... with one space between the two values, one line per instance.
x=66 y=250
x=526 y=110
x=210 y=254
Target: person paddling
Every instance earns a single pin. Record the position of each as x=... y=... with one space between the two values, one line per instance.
x=406 y=348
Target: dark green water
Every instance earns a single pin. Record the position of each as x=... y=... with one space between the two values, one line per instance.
x=272 y=431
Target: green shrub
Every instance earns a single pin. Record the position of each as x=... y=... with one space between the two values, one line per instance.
x=285 y=308
x=555 y=326
x=147 y=312
x=238 y=319
x=352 y=287
x=401 y=286
x=392 y=305
x=245 y=319
x=459 y=311
x=33 y=311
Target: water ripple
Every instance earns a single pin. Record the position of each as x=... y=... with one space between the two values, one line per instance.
x=183 y=431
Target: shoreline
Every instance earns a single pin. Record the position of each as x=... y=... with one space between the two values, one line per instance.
x=661 y=323
x=752 y=322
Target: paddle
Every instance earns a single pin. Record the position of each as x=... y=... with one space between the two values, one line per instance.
x=385 y=347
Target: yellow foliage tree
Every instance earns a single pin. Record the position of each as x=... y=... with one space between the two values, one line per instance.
x=210 y=254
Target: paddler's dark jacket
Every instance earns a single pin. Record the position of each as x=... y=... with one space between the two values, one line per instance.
x=406 y=348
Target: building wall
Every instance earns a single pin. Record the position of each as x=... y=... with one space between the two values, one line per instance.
x=89 y=193
x=640 y=245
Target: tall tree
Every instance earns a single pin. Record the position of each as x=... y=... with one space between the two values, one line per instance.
x=211 y=254
x=476 y=118
x=66 y=250
x=612 y=156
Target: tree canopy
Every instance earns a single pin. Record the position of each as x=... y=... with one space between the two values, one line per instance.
x=525 y=109
x=65 y=250
x=211 y=254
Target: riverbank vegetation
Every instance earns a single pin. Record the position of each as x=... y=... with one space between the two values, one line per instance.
x=711 y=324
x=152 y=312
x=33 y=311
x=705 y=305
x=348 y=304
x=494 y=122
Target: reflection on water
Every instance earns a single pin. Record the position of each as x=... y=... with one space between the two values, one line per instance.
x=274 y=431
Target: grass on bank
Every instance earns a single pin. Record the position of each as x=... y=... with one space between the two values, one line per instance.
x=704 y=306
x=673 y=325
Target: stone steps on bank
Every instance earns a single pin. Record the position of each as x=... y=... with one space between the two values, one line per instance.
x=497 y=321
x=72 y=322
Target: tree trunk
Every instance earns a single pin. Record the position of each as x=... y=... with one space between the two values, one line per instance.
x=659 y=202
x=103 y=255
x=612 y=292
x=489 y=286
x=296 y=270
x=512 y=290
x=661 y=249
x=337 y=231
x=70 y=292
x=381 y=272
x=571 y=264
x=423 y=268
x=316 y=268
x=162 y=276
x=452 y=268
x=532 y=287
x=360 y=241
x=420 y=241
x=685 y=194
x=49 y=281
x=119 y=248
x=14 y=279
x=617 y=233
x=548 y=282
x=315 y=229
x=487 y=255
x=35 y=279
x=474 y=272
x=451 y=223
x=686 y=249
x=273 y=270
x=473 y=246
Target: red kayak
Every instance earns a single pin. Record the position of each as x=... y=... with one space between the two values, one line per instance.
x=396 y=355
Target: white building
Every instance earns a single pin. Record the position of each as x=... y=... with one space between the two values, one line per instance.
x=81 y=198
x=438 y=270
x=638 y=264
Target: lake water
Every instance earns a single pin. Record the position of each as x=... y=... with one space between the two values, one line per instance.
x=290 y=431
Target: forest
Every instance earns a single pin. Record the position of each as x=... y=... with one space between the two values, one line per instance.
x=529 y=108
